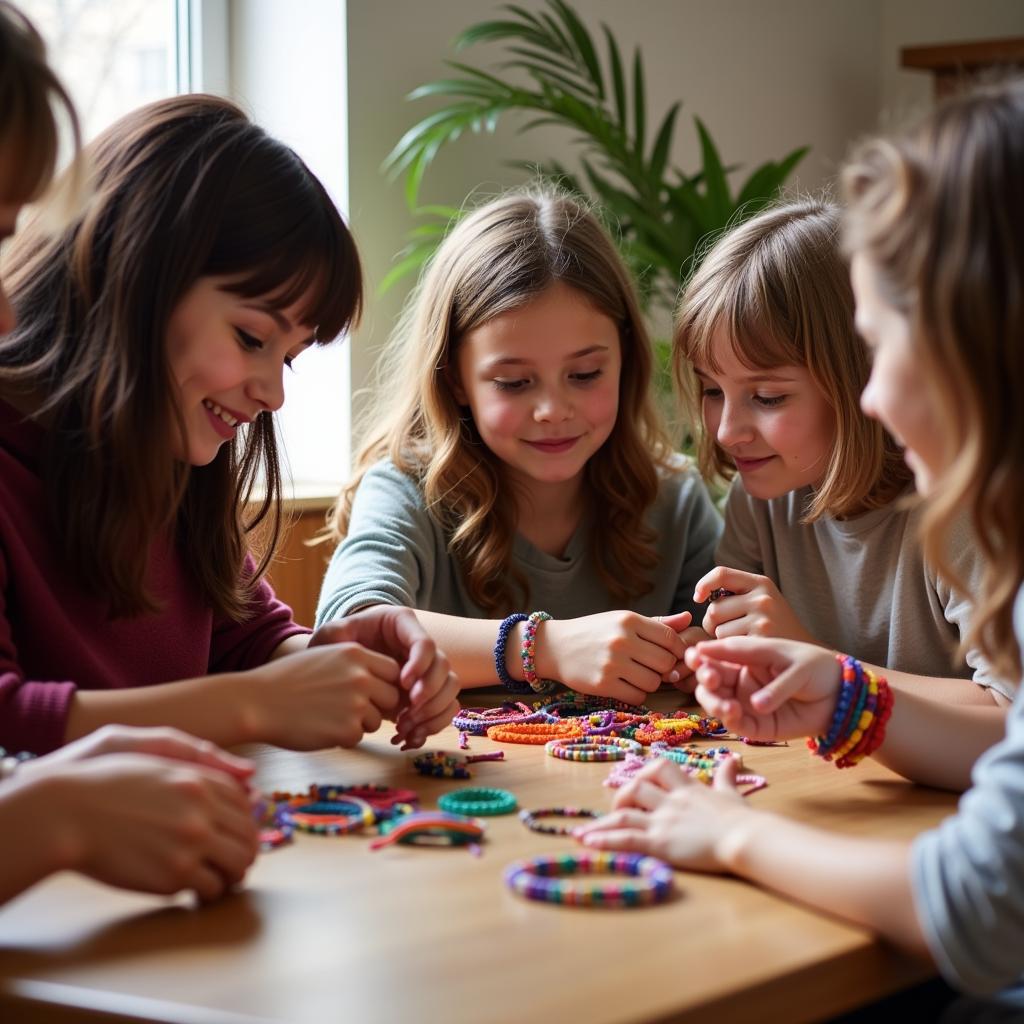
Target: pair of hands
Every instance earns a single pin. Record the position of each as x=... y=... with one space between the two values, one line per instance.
x=762 y=688
x=379 y=663
x=154 y=810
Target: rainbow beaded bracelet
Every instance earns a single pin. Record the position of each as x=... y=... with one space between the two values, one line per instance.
x=529 y=819
x=557 y=879
x=529 y=652
x=608 y=748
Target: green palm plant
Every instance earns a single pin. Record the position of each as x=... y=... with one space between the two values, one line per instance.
x=659 y=213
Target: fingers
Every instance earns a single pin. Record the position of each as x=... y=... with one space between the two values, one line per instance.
x=337 y=631
x=724 y=578
x=180 y=746
x=677 y=622
x=660 y=640
x=724 y=778
x=621 y=689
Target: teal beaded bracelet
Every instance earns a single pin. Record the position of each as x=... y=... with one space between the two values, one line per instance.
x=479 y=802
x=529 y=651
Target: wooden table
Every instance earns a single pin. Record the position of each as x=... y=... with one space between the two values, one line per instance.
x=326 y=930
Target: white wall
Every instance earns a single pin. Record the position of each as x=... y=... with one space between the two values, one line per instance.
x=764 y=76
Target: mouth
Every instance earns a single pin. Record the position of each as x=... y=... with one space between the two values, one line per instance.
x=554 y=445
x=749 y=465
x=223 y=421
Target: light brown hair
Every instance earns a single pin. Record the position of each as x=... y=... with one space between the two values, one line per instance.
x=939 y=215
x=778 y=288
x=181 y=189
x=496 y=259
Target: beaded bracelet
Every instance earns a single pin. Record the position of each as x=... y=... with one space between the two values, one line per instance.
x=647 y=880
x=477 y=721
x=380 y=798
x=328 y=817
x=431 y=828
x=500 y=644
x=450 y=766
x=533 y=732
x=572 y=704
x=529 y=650
x=10 y=763
x=529 y=819
x=481 y=802
x=571 y=748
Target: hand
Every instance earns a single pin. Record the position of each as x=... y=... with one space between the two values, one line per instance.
x=160 y=742
x=767 y=689
x=617 y=654
x=149 y=823
x=430 y=686
x=755 y=609
x=682 y=676
x=666 y=814
x=325 y=696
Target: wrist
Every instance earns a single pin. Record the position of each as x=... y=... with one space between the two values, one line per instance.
x=546 y=652
x=240 y=702
x=47 y=808
x=736 y=841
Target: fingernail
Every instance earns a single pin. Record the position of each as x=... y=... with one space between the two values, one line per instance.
x=673 y=676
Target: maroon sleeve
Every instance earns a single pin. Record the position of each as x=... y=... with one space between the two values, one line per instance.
x=240 y=645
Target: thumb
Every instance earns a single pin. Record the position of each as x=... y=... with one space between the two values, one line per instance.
x=773 y=695
x=725 y=774
x=338 y=631
x=677 y=622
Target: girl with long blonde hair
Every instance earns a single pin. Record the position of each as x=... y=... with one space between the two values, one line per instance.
x=520 y=461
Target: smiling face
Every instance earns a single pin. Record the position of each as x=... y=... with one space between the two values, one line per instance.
x=227 y=355
x=542 y=384
x=775 y=425
x=897 y=394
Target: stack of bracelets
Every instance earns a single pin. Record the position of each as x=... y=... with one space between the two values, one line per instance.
x=527 y=653
x=858 y=723
x=646 y=880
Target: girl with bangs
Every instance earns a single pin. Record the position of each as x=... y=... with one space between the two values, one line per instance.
x=820 y=540
x=138 y=459
x=521 y=462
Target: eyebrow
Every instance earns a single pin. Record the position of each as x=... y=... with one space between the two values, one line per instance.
x=756 y=378
x=515 y=361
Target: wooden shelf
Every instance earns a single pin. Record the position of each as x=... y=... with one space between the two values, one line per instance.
x=954 y=64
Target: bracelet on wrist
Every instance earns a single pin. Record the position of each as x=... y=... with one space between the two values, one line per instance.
x=500 y=645
x=529 y=653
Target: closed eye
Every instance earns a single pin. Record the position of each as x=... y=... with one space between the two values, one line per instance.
x=770 y=401
x=510 y=385
x=586 y=378
x=248 y=341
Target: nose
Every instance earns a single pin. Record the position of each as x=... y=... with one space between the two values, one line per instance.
x=733 y=425
x=553 y=405
x=7 y=317
x=267 y=387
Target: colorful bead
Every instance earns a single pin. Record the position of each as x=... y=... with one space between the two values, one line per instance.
x=570 y=748
x=562 y=879
x=482 y=802
x=528 y=652
x=529 y=819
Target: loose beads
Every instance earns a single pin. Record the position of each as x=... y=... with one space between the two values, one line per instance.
x=571 y=748
x=529 y=819
x=481 y=801
x=557 y=879
x=476 y=721
x=450 y=766
x=529 y=651
x=431 y=828
x=533 y=732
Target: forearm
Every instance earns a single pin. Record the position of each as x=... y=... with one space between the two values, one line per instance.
x=946 y=691
x=294 y=644
x=866 y=881
x=216 y=708
x=469 y=647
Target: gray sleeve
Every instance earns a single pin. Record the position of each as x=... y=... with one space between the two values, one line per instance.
x=701 y=525
x=389 y=550
x=968 y=874
x=740 y=546
x=967 y=563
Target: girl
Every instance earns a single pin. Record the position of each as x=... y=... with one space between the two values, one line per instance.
x=522 y=461
x=936 y=232
x=136 y=396
x=817 y=545
x=112 y=805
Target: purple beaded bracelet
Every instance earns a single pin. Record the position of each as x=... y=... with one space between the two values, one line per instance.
x=499 y=653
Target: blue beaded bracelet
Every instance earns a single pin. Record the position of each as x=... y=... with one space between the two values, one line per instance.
x=499 y=654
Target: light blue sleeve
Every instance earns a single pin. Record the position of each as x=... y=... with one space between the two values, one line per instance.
x=701 y=525
x=389 y=551
x=968 y=874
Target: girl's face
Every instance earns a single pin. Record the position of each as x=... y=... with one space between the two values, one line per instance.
x=8 y=219
x=542 y=384
x=227 y=355
x=775 y=425
x=896 y=395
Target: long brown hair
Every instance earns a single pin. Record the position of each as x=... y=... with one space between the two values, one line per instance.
x=32 y=105
x=778 y=287
x=939 y=214
x=181 y=189
x=497 y=259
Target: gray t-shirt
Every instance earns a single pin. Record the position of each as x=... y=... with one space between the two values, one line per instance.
x=861 y=585
x=968 y=874
x=397 y=553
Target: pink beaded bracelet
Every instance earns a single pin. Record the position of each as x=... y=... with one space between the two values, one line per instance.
x=529 y=651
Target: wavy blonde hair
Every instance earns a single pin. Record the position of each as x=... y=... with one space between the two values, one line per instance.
x=939 y=214
x=778 y=287
x=497 y=259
